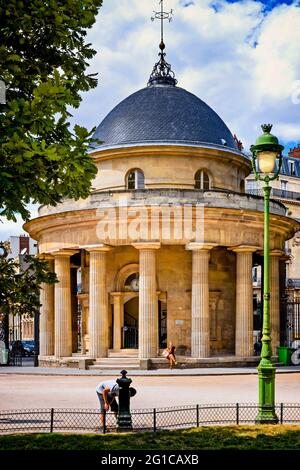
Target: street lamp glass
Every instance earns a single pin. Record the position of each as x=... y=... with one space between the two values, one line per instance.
x=266 y=160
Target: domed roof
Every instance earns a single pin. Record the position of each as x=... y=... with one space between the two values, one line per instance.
x=162 y=113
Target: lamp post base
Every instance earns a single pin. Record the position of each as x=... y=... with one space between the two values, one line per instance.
x=266 y=417
x=266 y=383
x=124 y=422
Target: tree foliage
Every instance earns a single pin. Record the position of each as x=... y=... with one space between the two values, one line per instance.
x=20 y=289
x=43 y=62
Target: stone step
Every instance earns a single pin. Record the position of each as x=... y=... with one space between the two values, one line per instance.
x=116 y=363
x=114 y=367
x=124 y=353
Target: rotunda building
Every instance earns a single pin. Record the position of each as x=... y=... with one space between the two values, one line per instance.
x=163 y=247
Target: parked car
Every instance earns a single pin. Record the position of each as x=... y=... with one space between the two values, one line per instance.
x=28 y=347
x=23 y=347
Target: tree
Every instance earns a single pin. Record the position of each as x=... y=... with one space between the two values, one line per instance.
x=20 y=289
x=43 y=62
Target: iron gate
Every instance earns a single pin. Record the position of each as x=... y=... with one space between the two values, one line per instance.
x=290 y=319
x=130 y=336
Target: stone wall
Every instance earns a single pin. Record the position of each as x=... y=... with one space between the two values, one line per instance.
x=222 y=279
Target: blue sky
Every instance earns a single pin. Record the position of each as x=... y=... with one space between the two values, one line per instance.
x=240 y=57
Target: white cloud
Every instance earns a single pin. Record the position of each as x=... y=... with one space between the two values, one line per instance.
x=277 y=59
x=289 y=131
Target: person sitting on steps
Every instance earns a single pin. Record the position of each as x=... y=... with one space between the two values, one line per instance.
x=171 y=355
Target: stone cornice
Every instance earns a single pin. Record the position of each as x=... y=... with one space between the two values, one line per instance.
x=169 y=149
x=88 y=220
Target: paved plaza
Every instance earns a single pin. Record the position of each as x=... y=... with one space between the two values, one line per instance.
x=78 y=391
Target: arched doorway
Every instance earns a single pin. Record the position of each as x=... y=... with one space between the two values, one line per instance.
x=130 y=330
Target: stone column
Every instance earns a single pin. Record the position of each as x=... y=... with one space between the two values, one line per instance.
x=83 y=298
x=244 y=301
x=118 y=321
x=47 y=314
x=63 y=319
x=74 y=309
x=275 y=299
x=148 y=300
x=98 y=302
x=200 y=324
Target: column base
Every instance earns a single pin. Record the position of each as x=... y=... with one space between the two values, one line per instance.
x=76 y=362
x=145 y=364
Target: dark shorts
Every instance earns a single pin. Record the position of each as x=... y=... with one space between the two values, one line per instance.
x=111 y=400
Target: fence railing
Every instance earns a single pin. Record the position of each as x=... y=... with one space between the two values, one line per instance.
x=152 y=419
x=275 y=192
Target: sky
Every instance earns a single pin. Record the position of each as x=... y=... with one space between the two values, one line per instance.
x=240 y=57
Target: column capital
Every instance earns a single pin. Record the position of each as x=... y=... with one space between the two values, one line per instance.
x=200 y=246
x=45 y=256
x=96 y=248
x=62 y=253
x=147 y=245
x=244 y=249
x=278 y=253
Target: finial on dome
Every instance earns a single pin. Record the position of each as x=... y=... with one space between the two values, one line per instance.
x=162 y=72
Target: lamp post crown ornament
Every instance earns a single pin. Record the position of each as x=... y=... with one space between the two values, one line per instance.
x=267 y=150
x=267 y=139
x=266 y=128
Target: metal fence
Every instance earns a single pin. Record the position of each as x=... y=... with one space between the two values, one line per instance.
x=290 y=320
x=275 y=192
x=152 y=419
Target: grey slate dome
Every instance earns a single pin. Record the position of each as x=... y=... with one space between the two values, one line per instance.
x=163 y=113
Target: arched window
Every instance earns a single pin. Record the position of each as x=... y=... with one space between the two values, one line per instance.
x=202 y=180
x=242 y=186
x=132 y=282
x=135 y=179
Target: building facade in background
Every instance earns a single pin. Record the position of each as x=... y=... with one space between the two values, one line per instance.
x=286 y=190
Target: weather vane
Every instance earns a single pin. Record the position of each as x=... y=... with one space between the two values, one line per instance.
x=162 y=16
x=162 y=72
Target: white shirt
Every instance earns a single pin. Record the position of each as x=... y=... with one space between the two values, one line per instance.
x=112 y=384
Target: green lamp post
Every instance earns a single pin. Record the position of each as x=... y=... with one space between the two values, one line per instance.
x=267 y=151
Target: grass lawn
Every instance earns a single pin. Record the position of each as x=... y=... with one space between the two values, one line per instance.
x=278 y=437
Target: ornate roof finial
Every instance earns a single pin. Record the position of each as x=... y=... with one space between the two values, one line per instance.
x=162 y=72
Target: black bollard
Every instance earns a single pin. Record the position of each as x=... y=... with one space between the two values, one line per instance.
x=124 y=421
